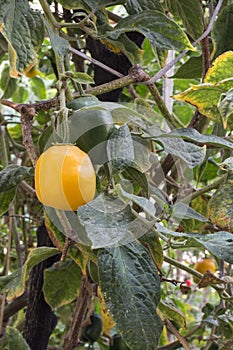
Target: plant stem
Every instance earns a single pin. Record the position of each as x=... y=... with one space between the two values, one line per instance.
x=210 y=187
x=181 y=266
x=72 y=336
x=165 y=69
x=96 y=62
x=177 y=334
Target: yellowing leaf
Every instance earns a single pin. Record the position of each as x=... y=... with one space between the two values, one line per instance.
x=206 y=97
x=23 y=30
x=108 y=322
x=221 y=69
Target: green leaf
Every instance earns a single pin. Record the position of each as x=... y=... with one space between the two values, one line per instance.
x=82 y=78
x=15 y=339
x=106 y=220
x=48 y=137
x=192 y=69
x=190 y=153
x=161 y=31
x=8 y=84
x=219 y=244
x=39 y=88
x=35 y=256
x=137 y=6
x=137 y=179
x=61 y=283
x=120 y=45
x=88 y=4
x=147 y=206
x=23 y=29
x=142 y=154
x=190 y=12
x=218 y=80
x=152 y=241
x=6 y=198
x=183 y=211
x=193 y=135
x=221 y=33
x=12 y=175
x=225 y=106
x=12 y=284
x=171 y=312
x=120 y=149
x=131 y=287
x=60 y=45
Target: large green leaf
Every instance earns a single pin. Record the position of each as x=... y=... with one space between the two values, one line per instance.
x=131 y=287
x=219 y=244
x=137 y=6
x=190 y=12
x=16 y=340
x=190 y=153
x=192 y=69
x=193 y=135
x=61 y=283
x=12 y=175
x=106 y=221
x=161 y=31
x=23 y=29
x=6 y=198
x=222 y=31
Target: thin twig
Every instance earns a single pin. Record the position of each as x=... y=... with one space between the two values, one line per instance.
x=97 y=63
x=173 y=330
x=16 y=235
x=210 y=187
x=6 y=271
x=29 y=189
x=72 y=336
x=166 y=68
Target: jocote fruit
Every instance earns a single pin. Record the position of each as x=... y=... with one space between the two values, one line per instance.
x=64 y=177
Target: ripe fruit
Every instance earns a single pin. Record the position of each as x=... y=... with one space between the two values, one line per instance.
x=64 y=177
x=202 y=266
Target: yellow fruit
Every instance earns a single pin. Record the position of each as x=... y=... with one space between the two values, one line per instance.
x=64 y=177
x=202 y=266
